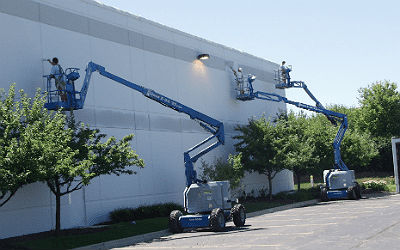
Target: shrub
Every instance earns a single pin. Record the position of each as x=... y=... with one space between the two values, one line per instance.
x=143 y=212
x=375 y=185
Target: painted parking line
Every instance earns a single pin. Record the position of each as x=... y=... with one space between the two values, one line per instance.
x=203 y=247
x=309 y=214
x=276 y=234
x=248 y=235
x=302 y=225
x=350 y=212
x=377 y=207
x=306 y=219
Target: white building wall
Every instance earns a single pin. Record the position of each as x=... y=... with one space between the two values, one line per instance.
x=147 y=53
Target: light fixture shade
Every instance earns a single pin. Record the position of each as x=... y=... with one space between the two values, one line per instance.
x=203 y=56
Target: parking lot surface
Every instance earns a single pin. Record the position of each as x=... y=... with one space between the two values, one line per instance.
x=372 y=223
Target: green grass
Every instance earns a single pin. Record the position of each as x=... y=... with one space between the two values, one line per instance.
x=253 y=206
x=306 y=193
x=306 y=185
x=116 y=231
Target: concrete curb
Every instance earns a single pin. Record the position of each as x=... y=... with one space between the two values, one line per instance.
x=150 y=236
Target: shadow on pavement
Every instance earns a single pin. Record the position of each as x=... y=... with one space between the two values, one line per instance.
x=204 y=232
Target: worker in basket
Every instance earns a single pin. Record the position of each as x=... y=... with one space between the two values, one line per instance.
x=239 y=79
x=285 y=72
x=57 y=73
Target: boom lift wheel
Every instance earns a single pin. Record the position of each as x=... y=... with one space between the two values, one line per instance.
x=238 y=214
x=352 y=193
x=217 y=219
x=324 y=194
x=358 y=190
x=173 y=222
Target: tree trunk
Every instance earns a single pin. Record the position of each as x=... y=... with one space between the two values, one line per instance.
x=269 y=175
x=58 y=210
x=298 y=177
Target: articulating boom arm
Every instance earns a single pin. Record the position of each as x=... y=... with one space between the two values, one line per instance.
x=333 y=117
x=216 y=128
x=301 y=84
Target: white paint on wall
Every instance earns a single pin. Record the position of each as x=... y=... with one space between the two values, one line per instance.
x=148 y=54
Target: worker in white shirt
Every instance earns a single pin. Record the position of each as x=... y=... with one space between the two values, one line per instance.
x=285 y=72
x=239 y=79
x=57 y=73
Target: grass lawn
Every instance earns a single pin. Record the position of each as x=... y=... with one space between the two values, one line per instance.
x=115 y=231
x=253 y=206
x=306 y=193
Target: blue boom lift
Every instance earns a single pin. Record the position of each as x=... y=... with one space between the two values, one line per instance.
x=208 y=204
x=340 y=181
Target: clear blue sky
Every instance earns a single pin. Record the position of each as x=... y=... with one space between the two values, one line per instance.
x=336 y=47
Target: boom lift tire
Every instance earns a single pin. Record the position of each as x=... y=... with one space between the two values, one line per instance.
x=173 y=222
x=352 y=193
x=324 y=194
x=238 y=214
x=358 y=190
x=217 y=219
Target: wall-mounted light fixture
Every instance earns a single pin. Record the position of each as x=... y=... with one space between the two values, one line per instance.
x=203 y=56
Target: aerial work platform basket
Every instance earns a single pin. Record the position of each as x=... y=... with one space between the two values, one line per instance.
x=282 y=79
x=54 y=95
x=244 y=88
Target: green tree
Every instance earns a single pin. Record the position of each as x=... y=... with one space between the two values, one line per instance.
x=380 y=109
x=380 y=115
x=221 y=170
x=258 y=147
x=357 y=148
x=74 y=155
x=22 y=120
x=297 y=149
x=321 y=134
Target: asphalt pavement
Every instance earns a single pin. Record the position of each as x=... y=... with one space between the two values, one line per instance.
x=372 y=223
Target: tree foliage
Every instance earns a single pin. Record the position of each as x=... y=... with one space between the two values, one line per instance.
x=22 y=121
x=38 y=145
x=296 y=149
x=75 y=154
x=302 y=144
x=259 y=145
x=221 y=170
x=358 y=148
x=379 y=116
x=380 y=109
